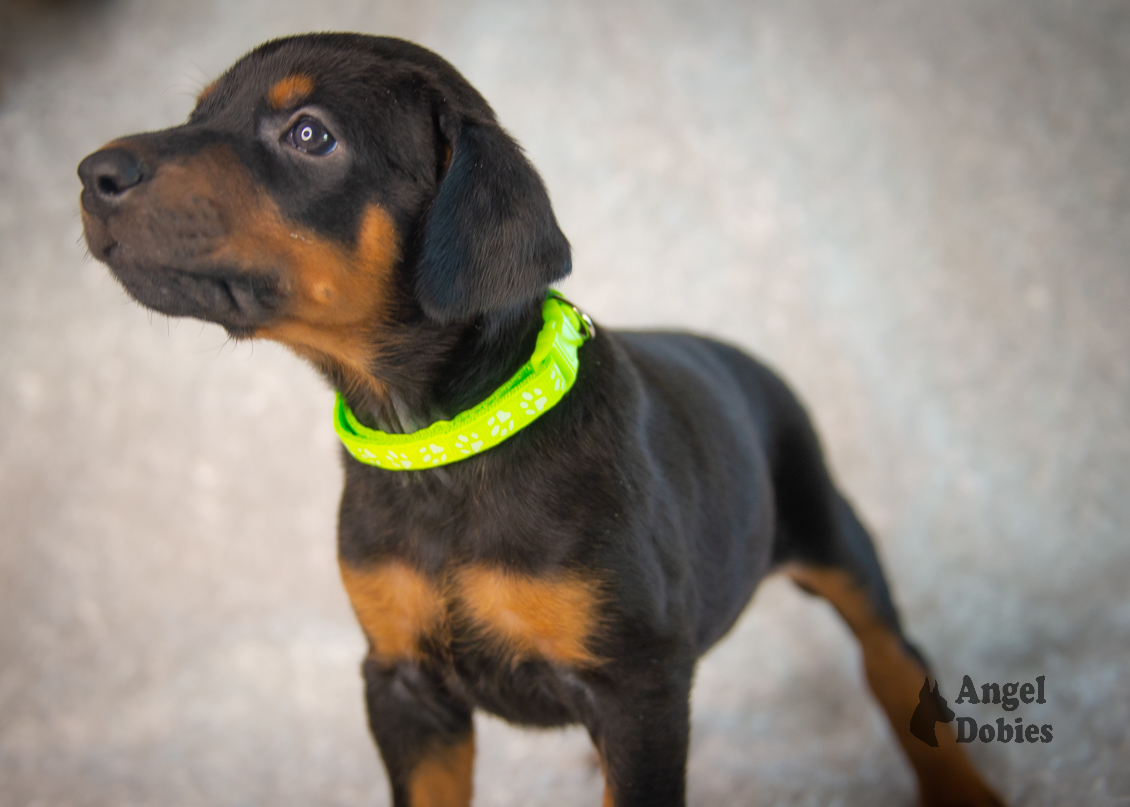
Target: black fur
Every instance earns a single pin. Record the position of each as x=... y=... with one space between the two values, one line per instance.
x=490 y=236
x=678 y=471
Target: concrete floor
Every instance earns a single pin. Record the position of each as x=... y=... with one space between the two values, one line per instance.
x=919 y=211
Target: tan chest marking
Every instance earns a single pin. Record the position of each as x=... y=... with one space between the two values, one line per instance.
x=555 y=618
x=396 y=606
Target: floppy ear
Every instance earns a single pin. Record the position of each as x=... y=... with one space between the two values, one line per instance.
x=490 y=239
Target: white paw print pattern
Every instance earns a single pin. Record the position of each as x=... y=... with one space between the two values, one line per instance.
x=401 y=460
x=433 y=453
x=366 y=456
x=501 y=423
x=469 y=445
x=558 y=379
x=531 y=405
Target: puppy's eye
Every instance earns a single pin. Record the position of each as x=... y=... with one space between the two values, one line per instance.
x=311 y=137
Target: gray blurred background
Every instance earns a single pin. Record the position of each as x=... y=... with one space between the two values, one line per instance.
x=918 y=211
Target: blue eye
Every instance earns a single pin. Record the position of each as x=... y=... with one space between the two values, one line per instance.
x=308 y=135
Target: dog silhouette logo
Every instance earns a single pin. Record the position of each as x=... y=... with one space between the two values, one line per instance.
x=932 y=708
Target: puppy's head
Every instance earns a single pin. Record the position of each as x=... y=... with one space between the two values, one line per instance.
x=326 y=190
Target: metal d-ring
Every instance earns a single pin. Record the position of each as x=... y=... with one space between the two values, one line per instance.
x=590 y=329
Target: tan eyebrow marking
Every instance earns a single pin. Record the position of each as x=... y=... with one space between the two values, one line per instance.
x=290 y=91
x=204 y=93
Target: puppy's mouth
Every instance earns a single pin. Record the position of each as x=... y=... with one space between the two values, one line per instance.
x=238 y=300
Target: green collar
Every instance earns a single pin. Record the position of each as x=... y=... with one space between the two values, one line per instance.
x=537 y=386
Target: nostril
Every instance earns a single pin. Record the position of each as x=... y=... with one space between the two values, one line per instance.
x=111 y=173
x=108 y=186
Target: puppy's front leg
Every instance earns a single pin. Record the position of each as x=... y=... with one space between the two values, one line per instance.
x=641 y=728
x=424 y=733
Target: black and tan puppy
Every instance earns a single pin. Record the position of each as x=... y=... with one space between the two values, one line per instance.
x=355 y=199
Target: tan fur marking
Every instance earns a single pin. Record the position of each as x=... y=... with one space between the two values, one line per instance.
x=396 y=606
x=204 y=93
x=608 y=800
x=444 y=778
x=290 y=91
x=339 y=295
x=945 y=776
x=553 y=618
x=336 y=295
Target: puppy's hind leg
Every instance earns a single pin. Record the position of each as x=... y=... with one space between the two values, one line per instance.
x=825 y=549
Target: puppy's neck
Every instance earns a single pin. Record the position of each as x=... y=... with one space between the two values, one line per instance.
x=425 y=372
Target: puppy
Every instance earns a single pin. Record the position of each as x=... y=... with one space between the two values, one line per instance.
x=540 y=519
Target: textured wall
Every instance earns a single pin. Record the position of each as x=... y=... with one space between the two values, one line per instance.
x=918 y=211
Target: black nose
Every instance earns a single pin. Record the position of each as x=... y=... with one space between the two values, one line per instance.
x=106 y=175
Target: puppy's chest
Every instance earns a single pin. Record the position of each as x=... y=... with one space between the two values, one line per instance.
x=472 y=613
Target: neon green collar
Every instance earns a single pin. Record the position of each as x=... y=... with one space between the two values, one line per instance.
x=537 y=386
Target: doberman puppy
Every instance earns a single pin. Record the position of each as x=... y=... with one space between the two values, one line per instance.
x=355 y=199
